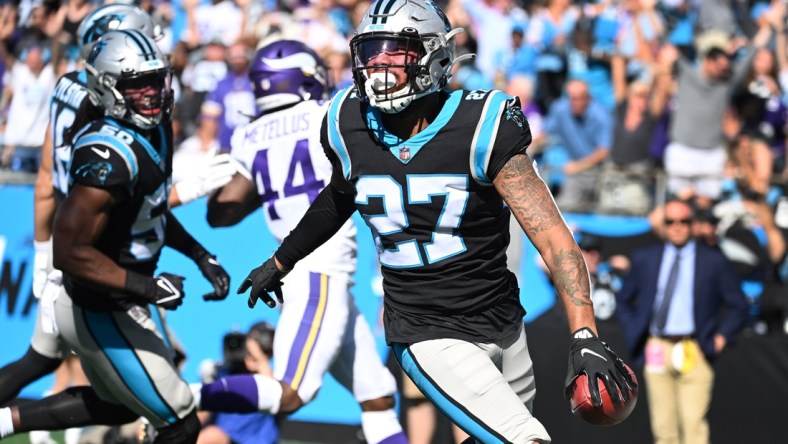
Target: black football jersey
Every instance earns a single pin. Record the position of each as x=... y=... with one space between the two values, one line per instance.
x=69 y=96
x=440 y=227
x=112 y=155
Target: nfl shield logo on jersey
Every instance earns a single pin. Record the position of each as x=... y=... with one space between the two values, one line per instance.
x=404 y=153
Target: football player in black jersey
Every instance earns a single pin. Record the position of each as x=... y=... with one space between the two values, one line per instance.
x=108 y=235
x=436 y=175
x=116 y=216
x=46 y=351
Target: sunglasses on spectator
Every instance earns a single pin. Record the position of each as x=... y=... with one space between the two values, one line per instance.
x=677 y=221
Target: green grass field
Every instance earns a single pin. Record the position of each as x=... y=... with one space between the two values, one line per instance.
x=24 y=439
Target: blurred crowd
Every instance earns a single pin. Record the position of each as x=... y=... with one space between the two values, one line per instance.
x=630 y=102
x=627 y=99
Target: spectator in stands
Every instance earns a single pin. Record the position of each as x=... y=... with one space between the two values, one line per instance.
x=586 y=61
x=628 y=178
x=639 y=105
x=548 y=32
x=779 y=145
x=704 y=227
x=230 y=104
x=756 y=246
x=338 y=64
x=716 y=15
x=219 y=21
x=515 y=59
x=584 y=128
x=605 y=273
x=28 y=90
x=9 y=14
x=760 y=102
x=203 y=71
x=314 y=26
x=492 y=24
x=640 y=30
x=695 y=158
x=669 y=308
x=32 y=29
x=63 y=23
x=750 y=161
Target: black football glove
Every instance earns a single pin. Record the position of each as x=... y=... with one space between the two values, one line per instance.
x=216 y=275
x=264 y=279
x=167 y=291
x=589 y=355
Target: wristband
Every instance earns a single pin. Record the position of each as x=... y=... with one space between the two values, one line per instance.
x=139 y=285
x=42 y=246
x=42 y=250
x=198 y=252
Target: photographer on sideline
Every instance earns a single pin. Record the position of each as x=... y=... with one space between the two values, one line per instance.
x=242 y=353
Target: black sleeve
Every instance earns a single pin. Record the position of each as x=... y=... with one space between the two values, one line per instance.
x=330 y=210
x=513 y=137
x=102 y=166
x=177 y=238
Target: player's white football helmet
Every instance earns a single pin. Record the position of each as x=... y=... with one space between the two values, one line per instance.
x=113 y=17
x=129 y=78
x=420 y=33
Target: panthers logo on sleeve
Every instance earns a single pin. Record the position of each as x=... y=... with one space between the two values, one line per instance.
x=95 y=171
x=514 y=112
x=100 y=162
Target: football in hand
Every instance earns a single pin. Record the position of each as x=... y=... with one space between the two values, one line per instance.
x=606 y=414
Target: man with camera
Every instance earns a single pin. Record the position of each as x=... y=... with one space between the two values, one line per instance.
x=248 y=353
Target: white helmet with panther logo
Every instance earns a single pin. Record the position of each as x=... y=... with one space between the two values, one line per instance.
x=129 y=78
x=416 y=30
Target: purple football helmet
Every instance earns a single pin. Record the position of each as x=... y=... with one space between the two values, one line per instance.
x=286 y=72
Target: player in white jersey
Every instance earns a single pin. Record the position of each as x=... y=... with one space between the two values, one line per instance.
x=283 y=167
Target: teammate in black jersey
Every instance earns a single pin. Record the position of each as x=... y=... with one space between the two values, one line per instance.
x=432 y=173
x=108 y=235
x=46 y=351
x=70 y=98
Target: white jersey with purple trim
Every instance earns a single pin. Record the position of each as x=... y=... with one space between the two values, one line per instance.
x=280 y=153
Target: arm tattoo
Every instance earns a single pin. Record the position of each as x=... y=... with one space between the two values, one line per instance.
x=527 y=195
x=570 y=276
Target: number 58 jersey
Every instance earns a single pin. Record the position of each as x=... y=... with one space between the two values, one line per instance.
x=280 y=154
x=440 y=227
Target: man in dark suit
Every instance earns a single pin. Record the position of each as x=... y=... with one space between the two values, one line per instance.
x=669 y=307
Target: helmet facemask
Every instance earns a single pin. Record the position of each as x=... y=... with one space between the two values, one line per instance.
x=146 y=97
x=391 y=70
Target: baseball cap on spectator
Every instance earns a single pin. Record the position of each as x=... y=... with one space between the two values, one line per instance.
x=706 y=215
x=712 y=43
